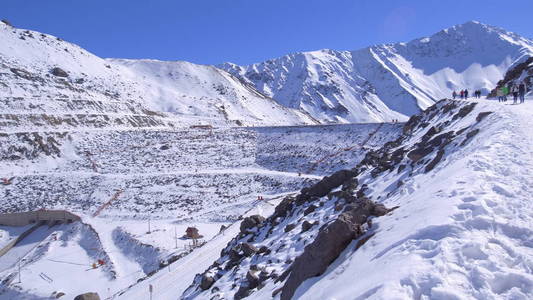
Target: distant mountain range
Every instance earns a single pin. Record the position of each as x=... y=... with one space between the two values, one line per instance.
x=374 y=84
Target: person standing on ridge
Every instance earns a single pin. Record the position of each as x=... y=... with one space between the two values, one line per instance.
x=499 y=93
x=514 y=91
x=462 y=93
x=454 y=94
x=522 y=92
x=466 y=94
x=505 y=91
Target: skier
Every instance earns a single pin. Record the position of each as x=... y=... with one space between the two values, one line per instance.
x=454 y=94
x=466 y=94
x=522 y=92
x=462 y=94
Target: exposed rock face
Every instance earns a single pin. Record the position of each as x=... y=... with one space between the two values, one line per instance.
x=87 y=296
x=251 y=222
x=329 y=244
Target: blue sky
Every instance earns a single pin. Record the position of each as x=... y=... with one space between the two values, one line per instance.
x=248 y=31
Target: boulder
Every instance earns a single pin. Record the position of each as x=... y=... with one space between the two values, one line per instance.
x=87 y=296
x=206 y=282
x=251 y=222
x=252 y=278
x=59 y=72
x=306 y=225
x=323 y=187
x=328 y=245
x=249 y=249
x=283 y=207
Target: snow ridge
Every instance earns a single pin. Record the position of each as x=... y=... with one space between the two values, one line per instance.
x=391 y=81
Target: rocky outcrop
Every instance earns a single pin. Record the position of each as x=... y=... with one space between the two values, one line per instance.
x=251 y=222
x=329 y=244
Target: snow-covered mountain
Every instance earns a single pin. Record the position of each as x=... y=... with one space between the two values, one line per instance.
x=55 y=77
x=391 y=81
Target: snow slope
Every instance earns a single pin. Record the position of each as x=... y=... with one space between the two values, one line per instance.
x=459 y=182
x=384 y=82
x=87 y=86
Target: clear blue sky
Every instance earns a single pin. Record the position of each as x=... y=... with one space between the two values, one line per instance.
x=248 y=31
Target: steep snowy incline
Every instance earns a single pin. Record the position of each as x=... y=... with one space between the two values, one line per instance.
x=382 y=82
x=441 y=212
x=462 y=231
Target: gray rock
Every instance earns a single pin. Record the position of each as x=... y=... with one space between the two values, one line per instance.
x=249 y=249
x=328 y=245
x=251 y=222
x=59 y=72
x=206 y=282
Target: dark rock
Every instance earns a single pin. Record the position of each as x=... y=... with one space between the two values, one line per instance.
x=442 y=139
x=482 y=115
x=289 y=227
x=252 y=278
x=350 y=185
x=411 y=124
x=435 y=160
x=311 y=208
x=248 y=249
x=263 y=249
x=464 y=111
x=59 y=72
x=283 y=207
x=419 y=153
x=87 y=296
x=164 y=147
x=431 y=132
x=251 y=222
x=327 y=246
x=401 y=168
x=323 y=187
x=470 y=135
x=206 y=282
x=448 y=107
x=306 y=225
x=243 y=292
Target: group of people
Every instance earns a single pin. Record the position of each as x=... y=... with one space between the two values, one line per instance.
x=518 y=91
x=463 y=94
